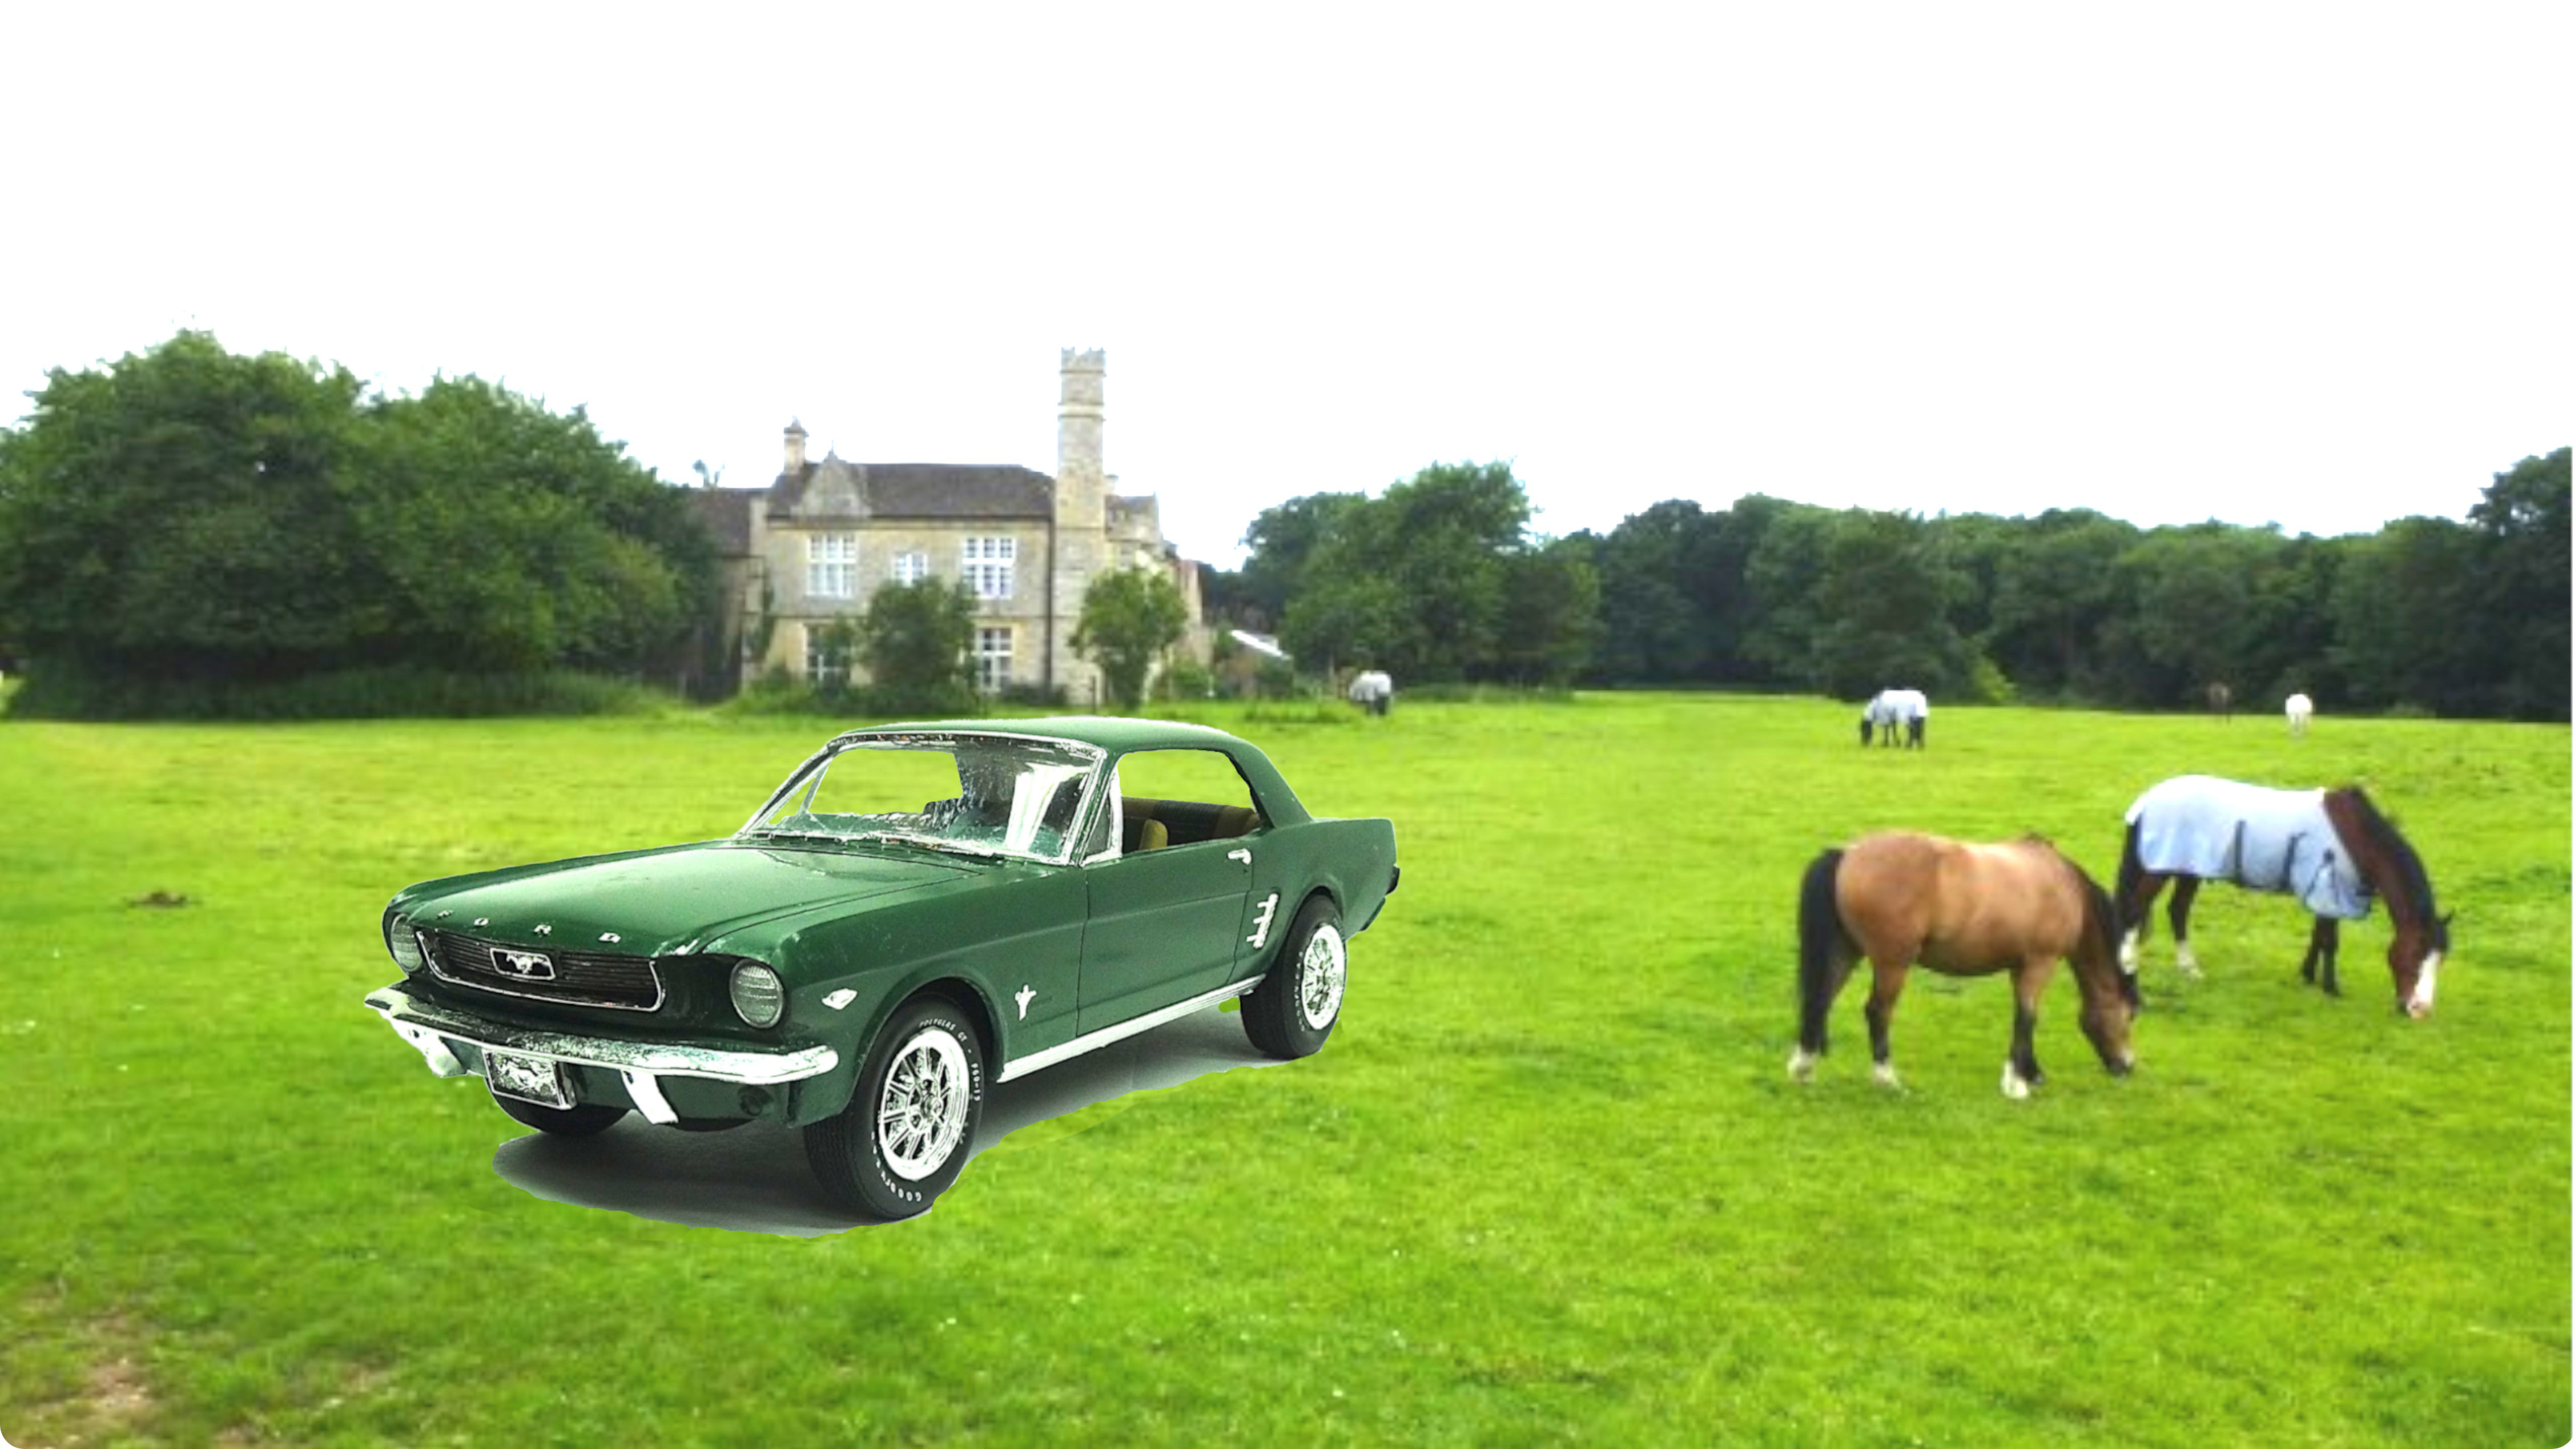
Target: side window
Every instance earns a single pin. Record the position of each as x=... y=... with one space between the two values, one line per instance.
x=1173 y=798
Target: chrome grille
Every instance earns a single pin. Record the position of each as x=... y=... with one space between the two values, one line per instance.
x=582 y=978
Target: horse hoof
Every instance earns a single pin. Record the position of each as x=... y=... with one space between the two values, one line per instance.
x=1802 y=1067
x=1885 y=1076
x=2014 y=1086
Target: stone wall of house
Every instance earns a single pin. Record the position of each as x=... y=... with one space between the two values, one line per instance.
x=1081 y=515
x=1055 y=559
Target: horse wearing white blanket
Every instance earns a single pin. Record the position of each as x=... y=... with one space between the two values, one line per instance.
x=2330 y=848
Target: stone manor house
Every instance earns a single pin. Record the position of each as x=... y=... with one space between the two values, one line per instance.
x=812 y=547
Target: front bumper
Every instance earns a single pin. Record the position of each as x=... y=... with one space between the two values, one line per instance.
x=436 y=1031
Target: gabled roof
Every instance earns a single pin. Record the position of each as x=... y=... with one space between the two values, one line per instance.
x=927 y=490
x=727 y=514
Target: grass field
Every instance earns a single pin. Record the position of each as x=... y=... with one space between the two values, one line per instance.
x=1549 y=1181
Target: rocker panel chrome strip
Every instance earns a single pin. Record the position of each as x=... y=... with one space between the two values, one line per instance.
x=1093 y=1041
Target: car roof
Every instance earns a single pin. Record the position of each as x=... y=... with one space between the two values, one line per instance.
x=1112 y=733
x=1116 y=735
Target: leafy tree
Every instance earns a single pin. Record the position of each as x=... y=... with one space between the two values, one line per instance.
x=583 y=557
x=188 y=512
x=1415 y=579
x=1883 y=608
x=1348 y=617
x=917 y=641
x=1129 y=617
x=1784 y=570
x=1282 y=541
x=190 y=515
x=2182 y=609
x=2052 y=594
x=1551 y=614
x=1652 y=627
x=2523 y=523
x=2404 y=621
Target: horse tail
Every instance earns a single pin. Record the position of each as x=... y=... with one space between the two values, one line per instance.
x=1820 y=945
x=2130 y=871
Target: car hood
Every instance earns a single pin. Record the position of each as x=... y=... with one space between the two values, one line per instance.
x=667 y=902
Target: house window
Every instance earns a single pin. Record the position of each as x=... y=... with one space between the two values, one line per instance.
x=993 y=658
x=820 y=666
x=911 y=568
x=831 y=566
x=987 y=567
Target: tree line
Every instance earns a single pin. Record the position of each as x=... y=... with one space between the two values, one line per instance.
x=188 y=518
x=188 y=531
x=1440 y=579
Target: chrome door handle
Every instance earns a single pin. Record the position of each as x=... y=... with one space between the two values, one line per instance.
x=1242 y=855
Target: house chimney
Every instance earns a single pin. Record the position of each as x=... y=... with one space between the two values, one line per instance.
x=795 y=446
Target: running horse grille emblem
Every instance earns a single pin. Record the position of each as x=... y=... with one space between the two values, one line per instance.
x=523 y=965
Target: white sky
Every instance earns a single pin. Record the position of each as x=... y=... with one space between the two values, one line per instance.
x=2302 y=264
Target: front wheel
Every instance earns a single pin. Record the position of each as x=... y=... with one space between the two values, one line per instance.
x=1292 y=1012
x=911 y=1120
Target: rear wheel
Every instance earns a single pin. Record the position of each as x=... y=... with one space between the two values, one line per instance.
x=911 y=1120
x=1292 y=1012
x=582 y=1119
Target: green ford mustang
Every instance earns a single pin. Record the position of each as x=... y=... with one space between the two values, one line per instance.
x=920 y=910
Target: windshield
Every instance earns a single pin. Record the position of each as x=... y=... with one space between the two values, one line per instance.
x=980 y=795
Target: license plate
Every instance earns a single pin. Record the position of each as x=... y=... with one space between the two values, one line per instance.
x=530 y=1079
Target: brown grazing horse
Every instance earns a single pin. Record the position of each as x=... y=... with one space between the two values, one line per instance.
x=2330 y=848
x=1902 y=899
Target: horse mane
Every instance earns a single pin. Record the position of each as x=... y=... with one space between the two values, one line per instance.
x=2101 y=920
x=2382 y=832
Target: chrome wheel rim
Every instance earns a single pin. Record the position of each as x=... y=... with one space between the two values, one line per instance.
x=922 y=1115
x=1319 y=977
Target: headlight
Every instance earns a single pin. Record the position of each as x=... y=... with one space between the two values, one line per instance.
x=402 y=943
x=757 y=995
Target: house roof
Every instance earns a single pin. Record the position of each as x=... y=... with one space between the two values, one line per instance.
x=928 y=490
x=727 y=514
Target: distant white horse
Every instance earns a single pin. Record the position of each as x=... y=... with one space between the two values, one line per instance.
x=1892 y=709
x=2300 y=710
x=1373 y=690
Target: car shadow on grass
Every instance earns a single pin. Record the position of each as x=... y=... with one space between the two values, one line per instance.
x=753 y=1178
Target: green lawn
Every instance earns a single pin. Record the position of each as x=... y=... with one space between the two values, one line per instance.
x=1549 y=1182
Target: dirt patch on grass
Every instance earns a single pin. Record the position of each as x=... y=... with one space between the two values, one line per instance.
x=113 y=1395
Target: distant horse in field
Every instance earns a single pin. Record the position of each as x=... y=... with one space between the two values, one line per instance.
x=2222 y=700
x=2330 y=848
x=1892 y=709
x=2298 y=709
x=1900 y=899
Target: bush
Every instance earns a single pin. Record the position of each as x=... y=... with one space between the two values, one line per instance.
x=777 y=693
x=1188 y=679
x=1987 y=683
x=65 y=691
